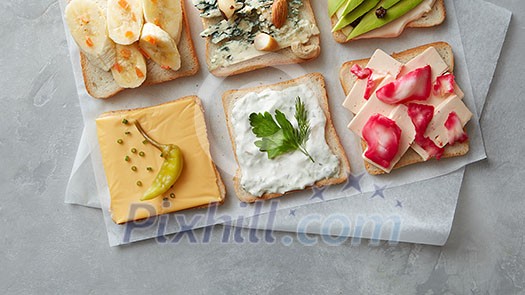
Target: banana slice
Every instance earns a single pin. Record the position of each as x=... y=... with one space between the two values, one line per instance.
x=167 y=14
x=124 y=20
x=129 y=70
x=160 y=47
x=87 y=24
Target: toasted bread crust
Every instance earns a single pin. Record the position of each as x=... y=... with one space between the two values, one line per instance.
x=410 y=157
x=100 y=84
x=433 y=18
x=280 y=57
x=229 y=98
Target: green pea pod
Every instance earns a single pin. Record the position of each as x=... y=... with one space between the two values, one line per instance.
x=371 y=22
x=334 y=5
x=355 y=14
x=170 y=170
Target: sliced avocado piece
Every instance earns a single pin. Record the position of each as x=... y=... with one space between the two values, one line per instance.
x=351 y=17
x=371 y=22
x=351 y=5
x=334 y=5
x=386 y=4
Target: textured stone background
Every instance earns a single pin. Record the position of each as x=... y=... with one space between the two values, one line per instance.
x=52 y=248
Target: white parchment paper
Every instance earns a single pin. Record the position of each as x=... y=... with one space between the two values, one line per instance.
x=83 y=188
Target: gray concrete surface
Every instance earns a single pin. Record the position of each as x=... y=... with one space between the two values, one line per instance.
x=48 y=247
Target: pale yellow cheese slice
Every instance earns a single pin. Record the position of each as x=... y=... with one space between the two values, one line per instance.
x=179 y=122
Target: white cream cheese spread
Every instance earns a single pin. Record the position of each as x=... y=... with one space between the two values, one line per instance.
x=291 y=171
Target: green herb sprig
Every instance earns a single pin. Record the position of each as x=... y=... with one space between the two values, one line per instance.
x=279 y=136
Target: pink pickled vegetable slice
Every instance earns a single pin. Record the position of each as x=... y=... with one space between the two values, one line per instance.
x=382 y=136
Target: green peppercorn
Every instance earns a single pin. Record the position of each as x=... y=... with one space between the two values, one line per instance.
x=172 y=195
x=142 y=154
x=120 y=141
x=144 y=141
x=124 y=121
x=134 y=168
x=139 y=183
x=381 y=12
x=126 y=159
x=134 y=150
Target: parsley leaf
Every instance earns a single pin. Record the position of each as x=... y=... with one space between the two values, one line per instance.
x=278 y=136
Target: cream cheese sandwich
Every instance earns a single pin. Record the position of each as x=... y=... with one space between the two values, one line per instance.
x=283 y=138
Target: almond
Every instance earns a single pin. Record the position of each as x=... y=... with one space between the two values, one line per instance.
x=279 y=12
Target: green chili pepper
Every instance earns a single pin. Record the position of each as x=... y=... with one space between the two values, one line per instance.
x=358 y=12
x=394 y=11
x=170 y=170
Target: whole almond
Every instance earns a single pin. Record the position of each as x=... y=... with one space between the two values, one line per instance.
x=279 y=12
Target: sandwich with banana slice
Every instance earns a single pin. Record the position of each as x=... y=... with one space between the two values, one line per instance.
x=245 y=35
x=368 y=19
x=130 y=43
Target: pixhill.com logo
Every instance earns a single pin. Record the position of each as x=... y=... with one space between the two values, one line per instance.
x=311 y=229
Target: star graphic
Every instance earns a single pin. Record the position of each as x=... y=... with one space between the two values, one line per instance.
x=318 y=193
x=292 y=212
x=378 y=191
x=399 y=204
x=353 y=181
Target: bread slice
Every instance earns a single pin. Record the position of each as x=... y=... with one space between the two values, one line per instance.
x=199 y=117
x=410 y=157
x=100 y=84
x=332 y=139
x=280 y=57
x=434 y=17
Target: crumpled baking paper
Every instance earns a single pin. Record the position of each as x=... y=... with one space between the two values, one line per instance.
x=422 y=210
